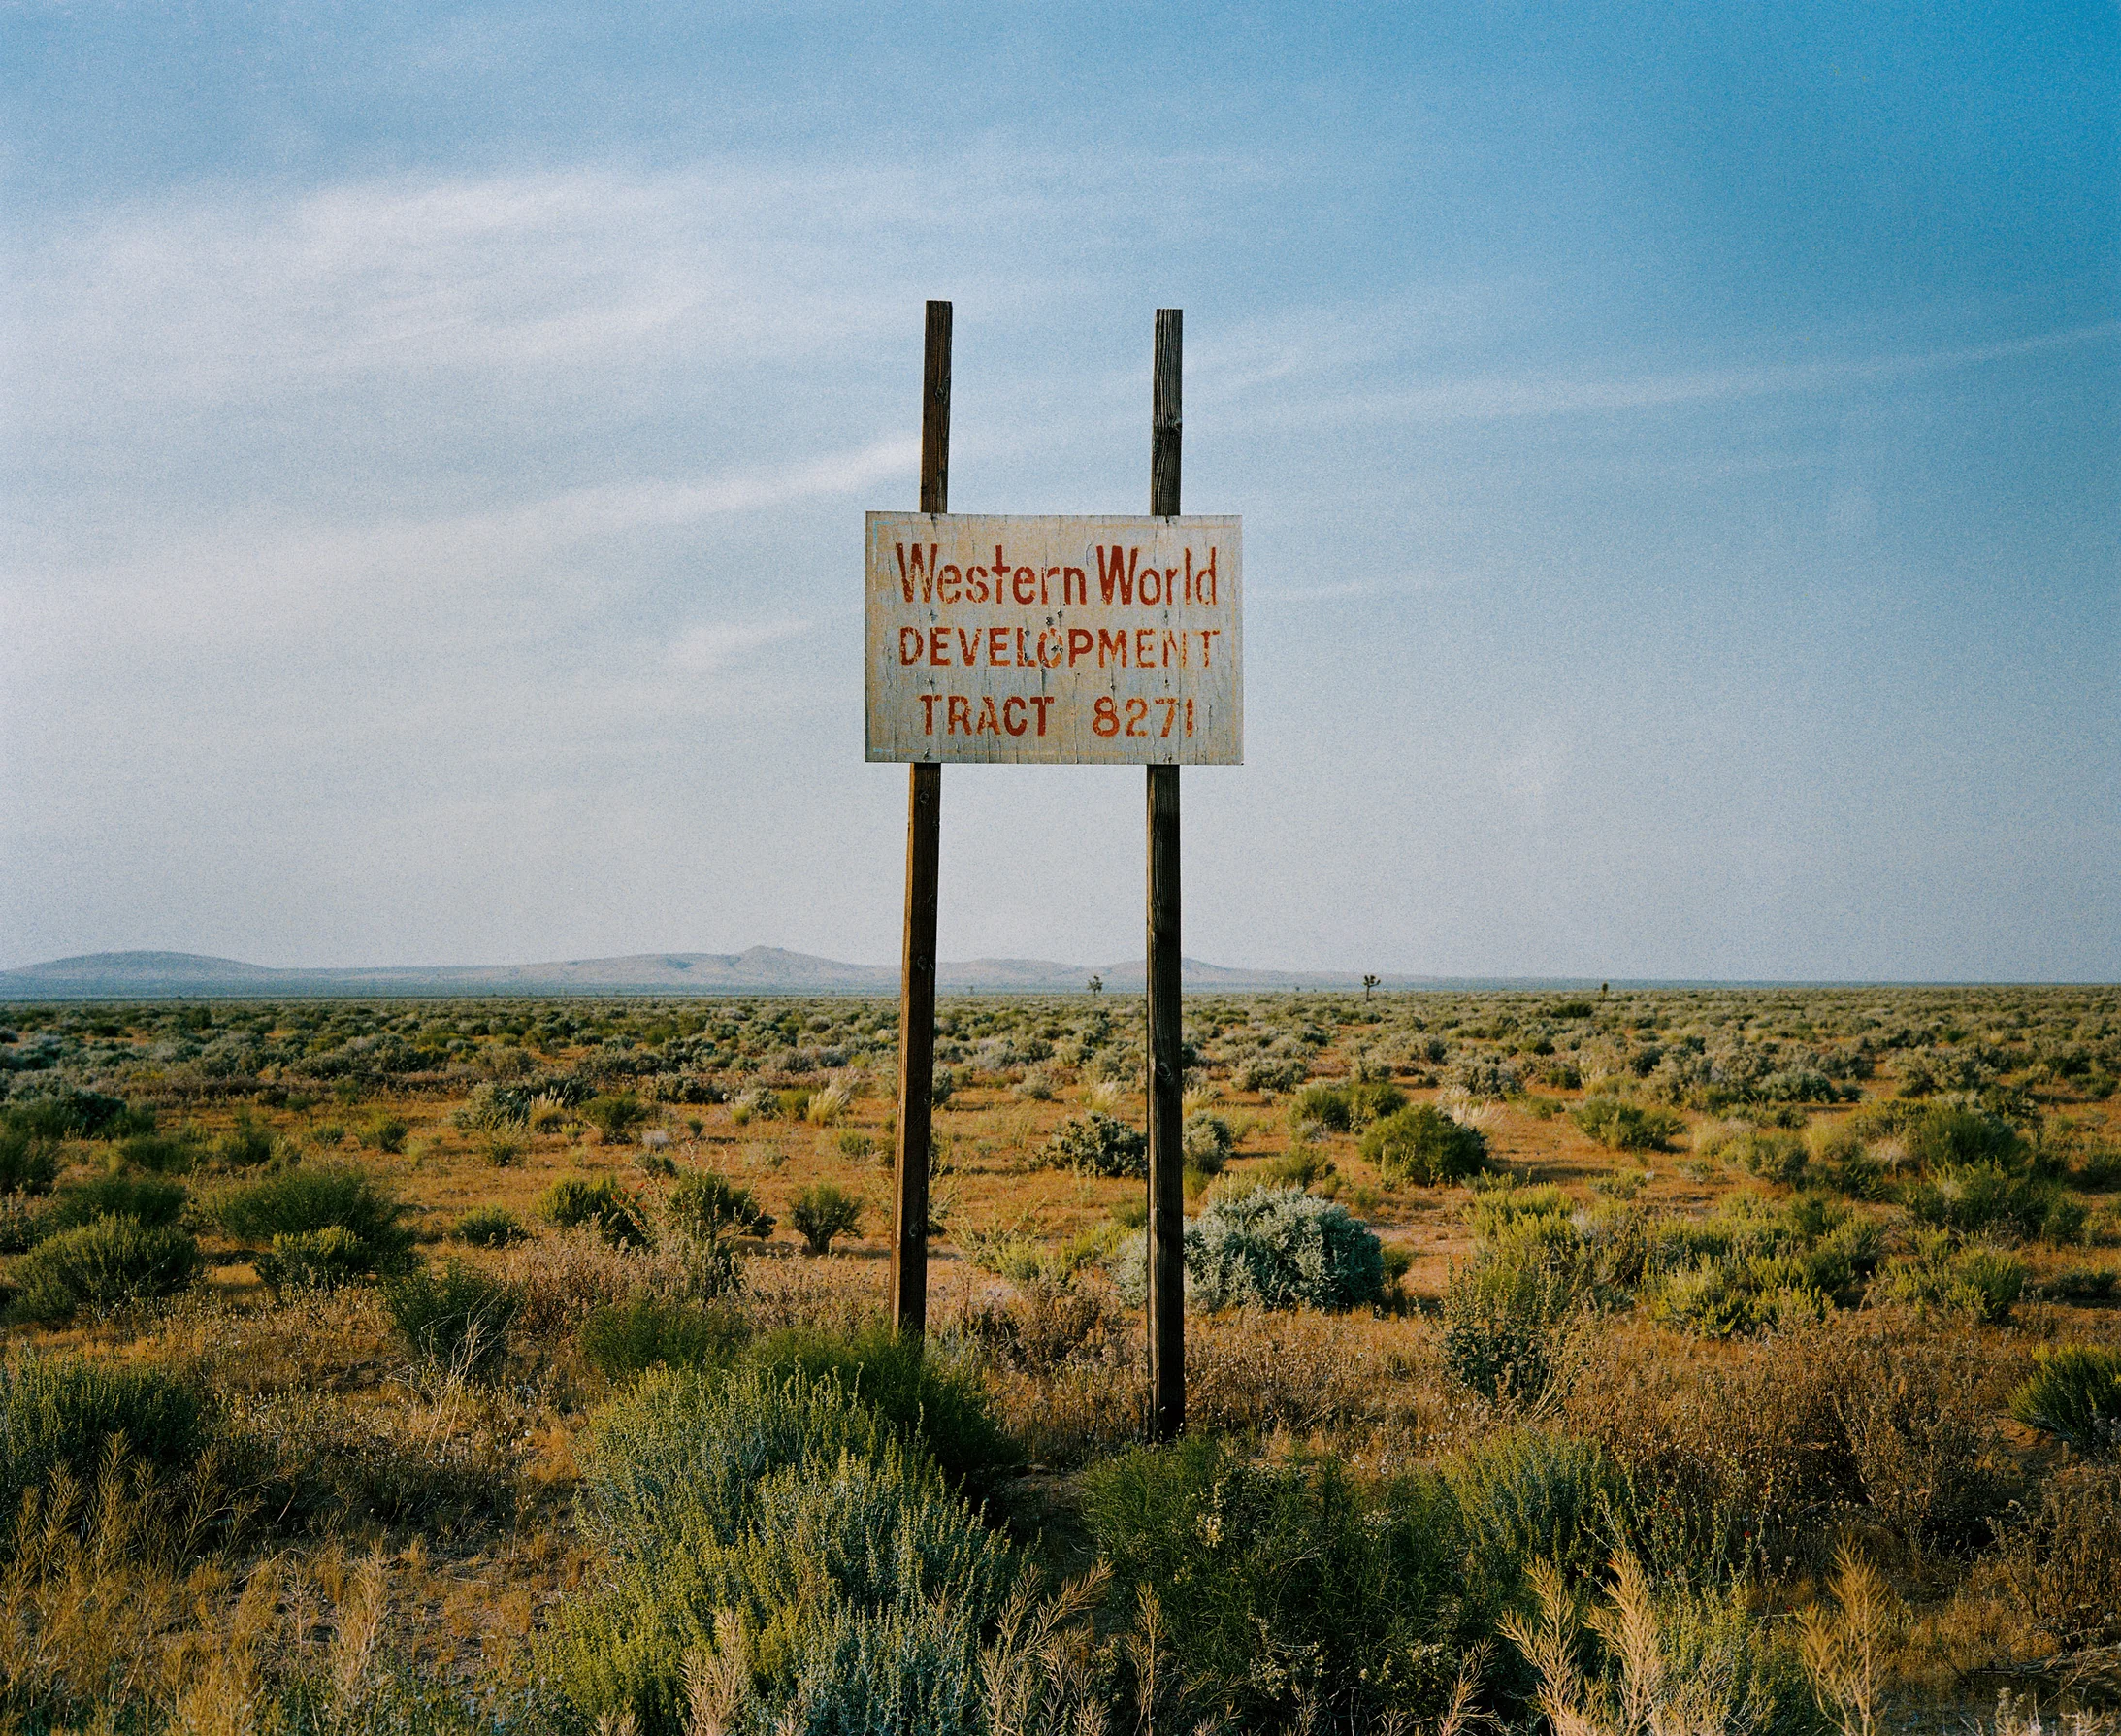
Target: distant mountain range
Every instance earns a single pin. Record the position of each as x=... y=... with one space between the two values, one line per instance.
x=762 y=971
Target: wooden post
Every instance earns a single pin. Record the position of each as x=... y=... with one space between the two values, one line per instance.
x=1166 y=1074
x=917 y=966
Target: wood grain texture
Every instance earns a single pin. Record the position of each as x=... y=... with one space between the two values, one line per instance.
x=1166 y=1085
x=917 y=963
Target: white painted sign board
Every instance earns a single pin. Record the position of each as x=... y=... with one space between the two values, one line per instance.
x=1055 y=640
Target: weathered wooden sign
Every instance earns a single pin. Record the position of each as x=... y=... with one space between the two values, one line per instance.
x=1059 y=641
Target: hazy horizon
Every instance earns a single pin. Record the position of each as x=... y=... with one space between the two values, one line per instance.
x=1680 y=457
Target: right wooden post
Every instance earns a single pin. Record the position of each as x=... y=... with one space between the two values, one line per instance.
x=1166 y=1263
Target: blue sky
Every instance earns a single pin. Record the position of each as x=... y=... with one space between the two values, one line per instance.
x=1678 y=450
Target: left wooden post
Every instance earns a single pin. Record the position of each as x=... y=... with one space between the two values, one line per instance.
x=917 y=968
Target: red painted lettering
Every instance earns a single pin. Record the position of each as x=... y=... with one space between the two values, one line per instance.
x=1074 y=586
x=1151 y=585
x=1054 y=662
x=976 y=588
x=959 y=713
x=1024 y=659
x=1145 y=645
x=947 y=581
x=1113 y=643
x=969 y=647
x=920 y=573
x=1174 y=650
x=1206 y=634
x=1116 y=576
x=1023 y=587
x=1012 y=716
x=997 y=646
x=928 y=706
x=1081 y=643
x=909 y=644
x=989 y=724
x=1041 y=701
x=938 y=646
x=1044 y=595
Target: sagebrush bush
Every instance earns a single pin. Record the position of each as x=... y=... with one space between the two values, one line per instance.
x=314 y=1197
x=145 y=1199
x=614 y=1116
x=160 y=1154
x=599 y=1202
x=60 y=1412
x=1275 y=1246
x=457 y=1319
x=624 y=1339
x=1422 y=1144
x=1532 y=1496
x=488 y=1226
x=2076 y=1393
x=326 y=1259
x=824 y=1212
x=1504 y=1315
x=1281 y=1586
x=1621 y=1125
x=244 y=1146
x=1942 y=1273
x=920 y=1394
x=1977 y=1197
x=774 y=1530
x=66 y=1112
x=1208 y=1142
x=707 y=1206
x=104 y=1263
x=29 y=1163
x=1100 y=1144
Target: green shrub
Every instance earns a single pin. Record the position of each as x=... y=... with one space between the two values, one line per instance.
x=60 y=1412
x=1530 y=1496
x=1976 y=1197
x=624 y=1339
x=62 y=1112
x=1302 y=1165
x=1208 y=1142
x=29 y=1163
x=1424 y=1144
x=1739 y=1293
x=1324 y=1106
x=1943 y=1135
x=159 y=1154
x=822 y=1213
x=458 y=1321
x=246 y=1145
x=1983 y=1282
x=102 y=1265
x=614 y=1116
x=599 y=1201
x=1505 y=1312
x=1100 y=1144
x=856 y=1585
x=326 y=1259
x=146 y=1199
x=1283 y=1590
x=387 y=1133
x=1271 y=1248
x=920 y=1395
x=2074 y=1392
x=707 y=1206
x=488 y=1226
x=1626 y=1126
x=314 y=1197
x=1773 y=1156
